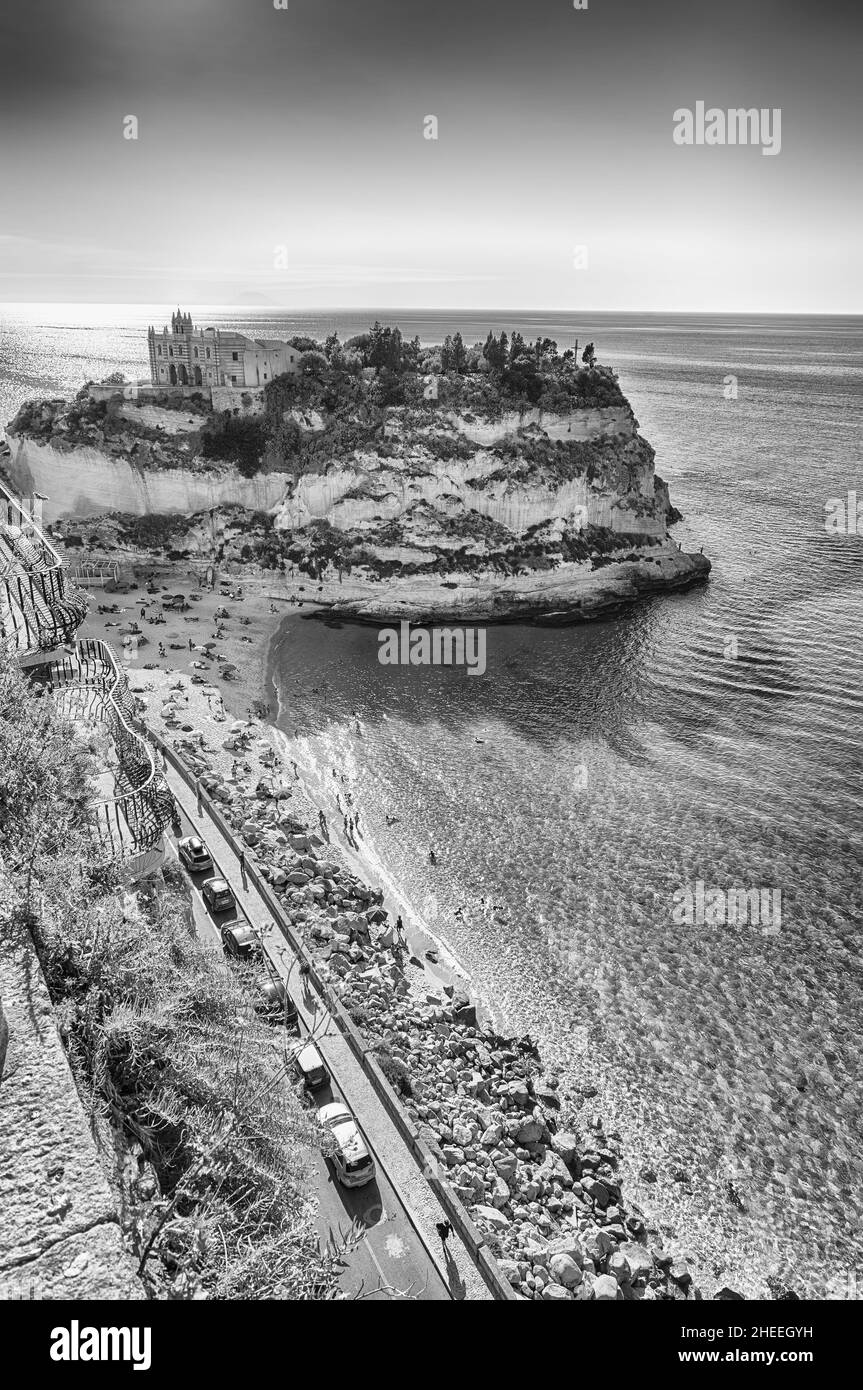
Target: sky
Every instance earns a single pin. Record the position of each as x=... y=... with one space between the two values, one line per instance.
x=281 y=156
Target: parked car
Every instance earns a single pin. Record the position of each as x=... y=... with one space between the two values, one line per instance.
x=273 y=1000
x=311 y=1068
x=217 y=895
x=194 y=854
x=352 y=1161
x=241 y=941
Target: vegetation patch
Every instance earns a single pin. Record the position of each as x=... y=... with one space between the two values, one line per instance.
x=162 y=1040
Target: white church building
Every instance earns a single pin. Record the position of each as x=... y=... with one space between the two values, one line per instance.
x=207 y=357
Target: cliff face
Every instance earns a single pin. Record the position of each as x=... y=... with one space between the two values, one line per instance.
x=505 y=469
x=86 y=481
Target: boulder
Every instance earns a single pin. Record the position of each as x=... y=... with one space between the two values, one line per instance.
x=553 y=1169
x=518 y=1092
x=490 y=1217
x=565 y=1145
x=596 y=1191
x=619 y=1267
x=546 y=1095
x=595 y=1243
x=606 y=1289
x=569 y=1246
x=463 y=1011
x=564 y=1270
x=639 y=1259
x=491 y=1137
x=507 y=1166
x=500 y=1193
x=530 y=1131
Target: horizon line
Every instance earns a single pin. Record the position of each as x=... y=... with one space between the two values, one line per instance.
x=421 y=308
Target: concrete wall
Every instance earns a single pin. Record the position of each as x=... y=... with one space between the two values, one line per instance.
x=59 y=1223
x=143 y=390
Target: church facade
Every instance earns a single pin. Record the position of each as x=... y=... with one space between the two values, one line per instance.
x=207 y=357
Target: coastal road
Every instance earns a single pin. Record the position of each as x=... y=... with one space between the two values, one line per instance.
x=392 y=1258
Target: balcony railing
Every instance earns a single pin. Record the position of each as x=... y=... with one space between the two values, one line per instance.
x=39 y=608
x=91 y=686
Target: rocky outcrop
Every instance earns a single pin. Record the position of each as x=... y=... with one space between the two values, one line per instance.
x=571 y=593
x=505 y=469
x=433 y=511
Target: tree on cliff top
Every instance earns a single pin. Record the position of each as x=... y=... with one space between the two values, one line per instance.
x=234 y=439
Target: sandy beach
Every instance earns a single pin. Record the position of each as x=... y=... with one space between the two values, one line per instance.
x=231 y=628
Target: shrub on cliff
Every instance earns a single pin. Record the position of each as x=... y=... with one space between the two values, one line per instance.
x=395 y=1071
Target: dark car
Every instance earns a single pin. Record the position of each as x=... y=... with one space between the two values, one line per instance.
x=311 y=1068
x=217 y=895
x=194 y=854
x=241 y=941
x=274 y=1002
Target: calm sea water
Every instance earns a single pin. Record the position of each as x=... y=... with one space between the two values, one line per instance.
x=593 y=772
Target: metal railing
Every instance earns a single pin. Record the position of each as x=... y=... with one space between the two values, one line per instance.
x=39 y=608
x=95 y=688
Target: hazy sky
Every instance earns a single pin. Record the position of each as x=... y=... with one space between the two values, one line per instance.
x=298 y=134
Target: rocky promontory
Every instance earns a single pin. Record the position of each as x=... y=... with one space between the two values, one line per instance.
x=500 y=482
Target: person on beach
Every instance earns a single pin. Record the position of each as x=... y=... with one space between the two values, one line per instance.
x=243 y=867
x=444 y=1230
x=432 y=857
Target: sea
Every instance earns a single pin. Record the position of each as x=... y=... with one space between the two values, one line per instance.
x=581 y=794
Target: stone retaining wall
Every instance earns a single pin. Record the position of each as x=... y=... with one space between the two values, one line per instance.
x=60 y=1232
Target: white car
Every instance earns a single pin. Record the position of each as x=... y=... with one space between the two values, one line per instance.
x=354 y=1164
